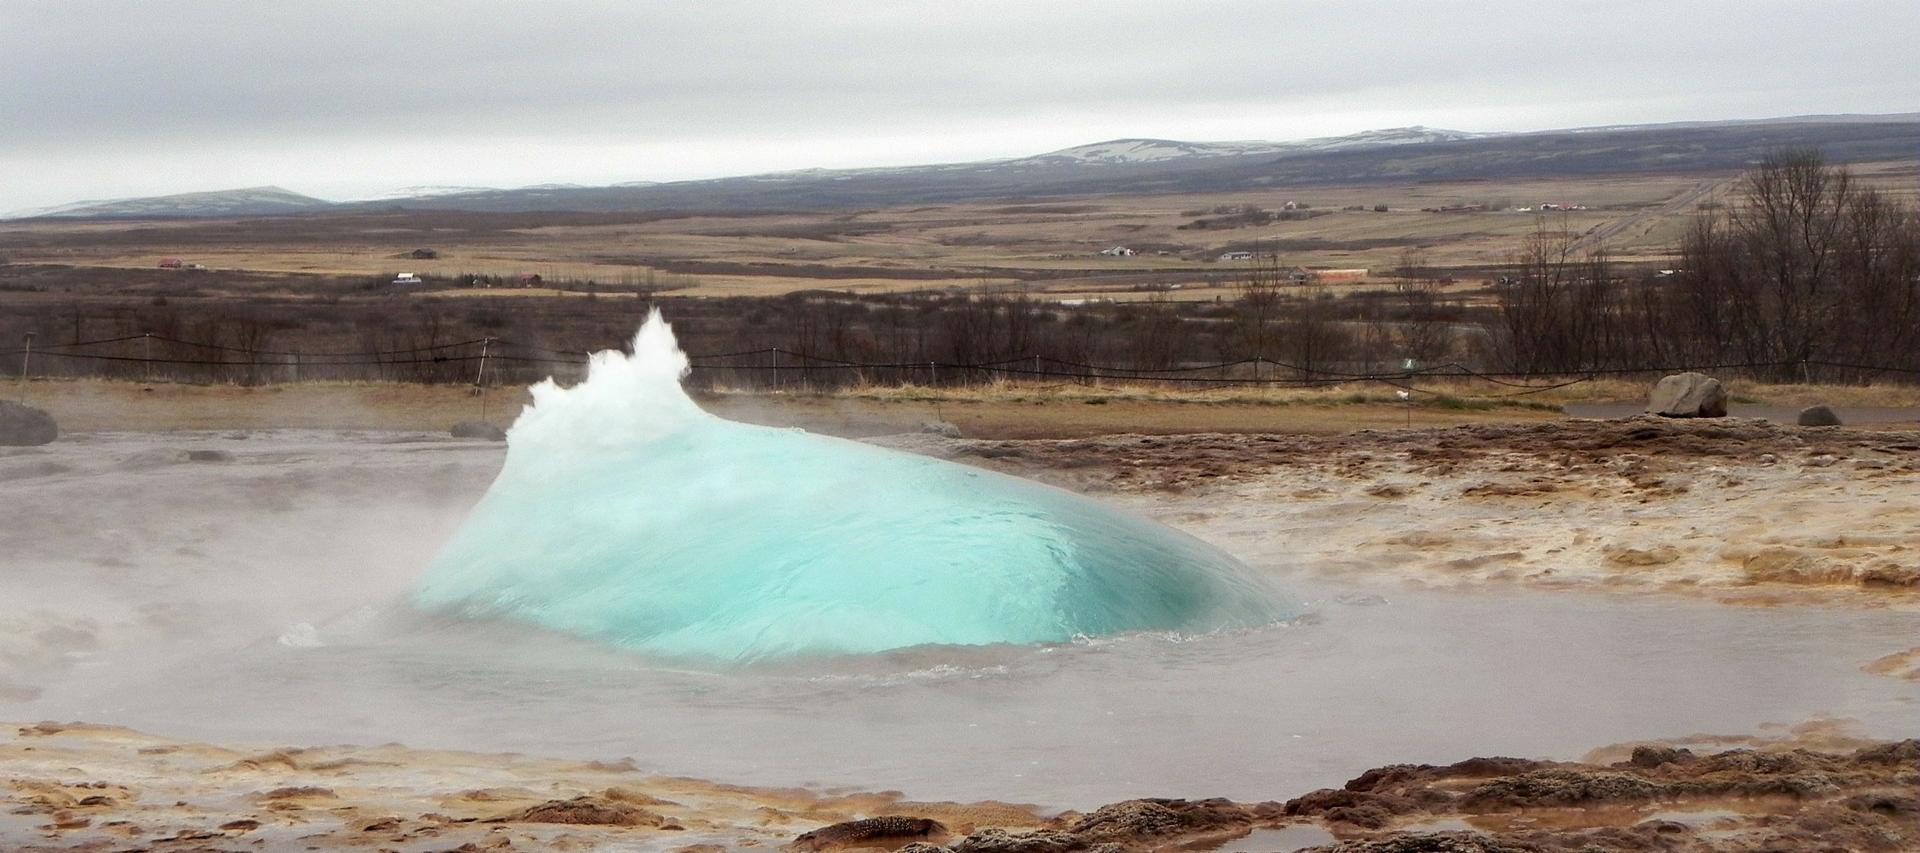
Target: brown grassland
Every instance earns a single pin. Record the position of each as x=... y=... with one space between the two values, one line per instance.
x=999 y=410
x=1048 y=247
x=870 y=286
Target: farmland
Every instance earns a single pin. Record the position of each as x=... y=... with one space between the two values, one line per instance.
x=1048 y=248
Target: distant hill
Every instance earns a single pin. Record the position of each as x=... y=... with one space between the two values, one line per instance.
x=1127 y=151
x=1139 y=166
x=252 y=201
x=424 y=192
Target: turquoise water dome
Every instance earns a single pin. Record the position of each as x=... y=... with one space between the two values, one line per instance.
x=627 y=514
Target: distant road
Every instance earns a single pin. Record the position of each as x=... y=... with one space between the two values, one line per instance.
x=1678 y=204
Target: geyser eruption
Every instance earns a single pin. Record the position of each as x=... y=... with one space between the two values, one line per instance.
x=626 y=513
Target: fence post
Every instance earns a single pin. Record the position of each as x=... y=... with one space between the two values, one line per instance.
x=773 y=373
x=480 y=377
x=933 y=375
x=146 y=354
x=26 y=364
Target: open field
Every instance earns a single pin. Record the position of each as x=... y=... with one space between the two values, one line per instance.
x=86 y=406
x=1036 y=247
x=998 y=410
x=947 y=293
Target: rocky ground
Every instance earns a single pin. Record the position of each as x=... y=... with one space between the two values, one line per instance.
x=102 y=788
x=1744 y=511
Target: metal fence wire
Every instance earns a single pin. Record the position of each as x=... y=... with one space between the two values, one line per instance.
x=496 y=361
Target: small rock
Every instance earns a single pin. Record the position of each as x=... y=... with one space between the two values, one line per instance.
x=1387 y=490
x=588 y=810
x=1559 y=787
x=870 y=832
x=1650 y=756
x=299 y=792
x=996 y=840
x=1889 y=805
x=1659 y=555
x=1688 y=395
x=1890 y=574
x=1791 y=565
x=209 y=456
x=25 y=426
x=1665 y=827
x=1131 y=820
x=480 y=430
x=1815 y=416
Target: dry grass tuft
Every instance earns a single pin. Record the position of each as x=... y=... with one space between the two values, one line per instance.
x=1541 y=394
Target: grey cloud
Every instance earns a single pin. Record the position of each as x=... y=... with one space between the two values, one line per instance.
x=89 y=76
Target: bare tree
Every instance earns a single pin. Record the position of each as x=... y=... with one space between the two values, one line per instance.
x=1805 y=267
x=1558 y=310
x=1314 y=338
x=1424 y=334
x=1257 y=307
x=1157 y=334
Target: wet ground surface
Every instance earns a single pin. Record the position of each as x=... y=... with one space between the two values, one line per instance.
x=249 y=588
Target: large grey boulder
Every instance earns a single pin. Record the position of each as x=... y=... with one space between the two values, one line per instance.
x=1688 y=395
x=25 y=426
x=1818 y=416
x=479 y=429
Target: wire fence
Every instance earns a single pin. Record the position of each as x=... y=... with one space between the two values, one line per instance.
x=497 y=361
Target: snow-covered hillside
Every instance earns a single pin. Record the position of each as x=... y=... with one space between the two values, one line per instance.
x=1116 y=151
x=242 y=202
x=430 y=191
x=1415 y=135
x=1153 y=150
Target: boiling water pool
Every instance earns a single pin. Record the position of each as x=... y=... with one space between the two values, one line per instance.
x=264 y=597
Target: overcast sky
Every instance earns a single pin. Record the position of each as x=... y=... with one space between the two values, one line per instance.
x=345 y=100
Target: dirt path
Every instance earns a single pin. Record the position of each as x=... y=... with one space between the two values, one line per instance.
x=89 y=406
x=1599 y=236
